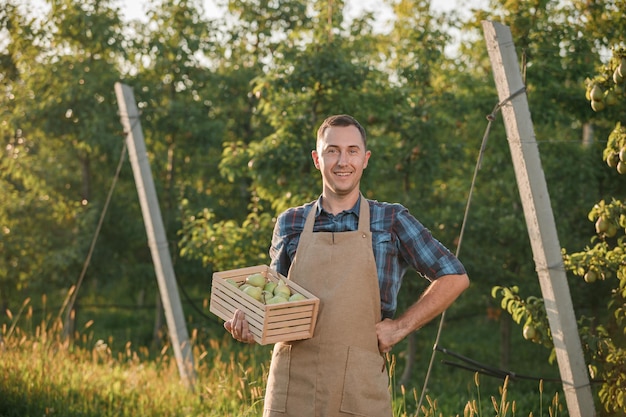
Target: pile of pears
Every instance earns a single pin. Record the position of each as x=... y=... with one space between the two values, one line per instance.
x=266 y=291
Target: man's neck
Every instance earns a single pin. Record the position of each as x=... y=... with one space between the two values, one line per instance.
x=335 y=204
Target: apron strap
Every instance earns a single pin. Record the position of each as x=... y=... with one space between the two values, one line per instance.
x=364 y=215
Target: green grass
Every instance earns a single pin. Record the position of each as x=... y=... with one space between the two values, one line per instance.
x=42 y=374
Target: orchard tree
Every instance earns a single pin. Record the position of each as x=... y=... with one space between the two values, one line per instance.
x=56 y=136
x=285 y=82
x=180 y=111
x=555 y=56
x=604 y=260
x=601 y=265
x=553 y=68
x=236 y=228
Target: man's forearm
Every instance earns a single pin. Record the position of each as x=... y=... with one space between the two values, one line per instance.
x=439 y=295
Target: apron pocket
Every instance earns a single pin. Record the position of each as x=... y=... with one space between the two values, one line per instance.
x=366 y=384
x=278 y=378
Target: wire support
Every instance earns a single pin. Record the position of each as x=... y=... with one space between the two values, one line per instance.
x=492 y=116
x=472 y=365
x=546 y=268
x=475 y=366
x=81 y=278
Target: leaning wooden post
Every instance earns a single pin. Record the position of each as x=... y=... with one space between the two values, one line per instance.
x=539 y=220
x=129 y=115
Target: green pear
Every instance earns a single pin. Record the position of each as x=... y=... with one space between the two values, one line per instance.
x=254 y=292
x=232 y=282
x=244 y=286
x=297 y=297
x=257 y=280
x=270 y=286
x=266 y=295
x=276 y=299
x=282 y=289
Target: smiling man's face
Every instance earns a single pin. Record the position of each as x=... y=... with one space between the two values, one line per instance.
x=341 y=157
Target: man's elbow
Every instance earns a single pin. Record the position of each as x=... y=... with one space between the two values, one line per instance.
x=458 y=283
x=465 y=282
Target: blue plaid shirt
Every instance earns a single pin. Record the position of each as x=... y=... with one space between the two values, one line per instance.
x=399 y=241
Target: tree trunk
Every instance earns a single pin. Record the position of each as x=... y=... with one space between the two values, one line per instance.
x=587 y=134
x=158 y=321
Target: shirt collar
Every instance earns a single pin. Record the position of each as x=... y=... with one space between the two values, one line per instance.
x=355 y=209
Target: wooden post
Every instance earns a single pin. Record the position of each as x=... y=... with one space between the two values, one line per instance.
x=129 y=115
x=539 y=220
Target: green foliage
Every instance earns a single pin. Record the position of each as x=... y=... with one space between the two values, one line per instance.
x=531 y=311
x=53 y=105
x=224 y=245
x=605 y=261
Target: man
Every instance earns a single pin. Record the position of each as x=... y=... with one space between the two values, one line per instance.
x=351 y=253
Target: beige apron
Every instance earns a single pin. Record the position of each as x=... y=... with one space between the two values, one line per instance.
x=339 y=371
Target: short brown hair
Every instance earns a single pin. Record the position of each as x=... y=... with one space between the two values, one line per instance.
x=341 y=120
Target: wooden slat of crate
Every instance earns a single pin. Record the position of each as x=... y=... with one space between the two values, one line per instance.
x=224 y=308
x=293 y=321
x=273 y=323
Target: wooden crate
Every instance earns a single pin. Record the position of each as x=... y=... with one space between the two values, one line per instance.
x=281 y=322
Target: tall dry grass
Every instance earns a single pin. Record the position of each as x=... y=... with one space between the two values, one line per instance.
x=44 y=373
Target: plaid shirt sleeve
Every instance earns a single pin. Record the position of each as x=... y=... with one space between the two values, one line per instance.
x=421 y=250
x=402 y=242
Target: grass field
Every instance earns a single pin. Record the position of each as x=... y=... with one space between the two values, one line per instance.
x=44 y=374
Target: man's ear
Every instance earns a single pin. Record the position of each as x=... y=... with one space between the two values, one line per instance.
x=316 y=158
x=367 y=158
